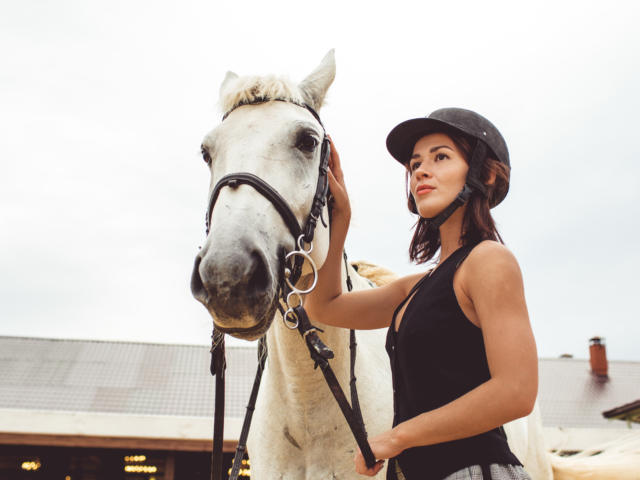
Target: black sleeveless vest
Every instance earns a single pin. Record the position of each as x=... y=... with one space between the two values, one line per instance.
x=436 y=356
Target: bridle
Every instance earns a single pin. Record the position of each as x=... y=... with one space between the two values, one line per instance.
x=319 y=198
x=294 y=317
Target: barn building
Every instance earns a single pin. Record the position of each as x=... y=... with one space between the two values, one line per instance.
x=98 y=410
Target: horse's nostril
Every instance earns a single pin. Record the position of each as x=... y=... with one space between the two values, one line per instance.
x=197 y=288
x=259 y=279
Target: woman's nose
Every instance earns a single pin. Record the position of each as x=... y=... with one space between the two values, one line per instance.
x=422 y=172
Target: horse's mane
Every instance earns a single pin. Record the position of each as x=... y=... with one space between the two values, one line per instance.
x=243 y=90
x=377 y=274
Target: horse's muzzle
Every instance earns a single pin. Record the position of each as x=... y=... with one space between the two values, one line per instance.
x=237 y=289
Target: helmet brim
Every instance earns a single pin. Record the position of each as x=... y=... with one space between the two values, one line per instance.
x=403 y=137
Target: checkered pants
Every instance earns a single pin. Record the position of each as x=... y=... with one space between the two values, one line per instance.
x=474 y=472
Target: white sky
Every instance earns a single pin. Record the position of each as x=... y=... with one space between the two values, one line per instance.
x=103 y=106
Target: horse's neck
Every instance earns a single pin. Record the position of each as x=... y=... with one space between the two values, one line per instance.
x=290 y=361
x=291 y=367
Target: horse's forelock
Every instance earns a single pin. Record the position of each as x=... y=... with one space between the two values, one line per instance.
x=243 y=90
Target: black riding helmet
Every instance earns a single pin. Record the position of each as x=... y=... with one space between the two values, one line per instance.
x=403 y=137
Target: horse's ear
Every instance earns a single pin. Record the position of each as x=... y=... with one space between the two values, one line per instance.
x=315 y=86
x=228 y=78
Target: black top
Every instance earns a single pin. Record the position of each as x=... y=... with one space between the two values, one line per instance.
x=436 y=356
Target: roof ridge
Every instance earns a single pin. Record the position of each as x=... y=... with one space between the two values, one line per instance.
x=570 y=359
x=130 y=342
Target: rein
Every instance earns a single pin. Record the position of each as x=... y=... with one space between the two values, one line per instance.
x=294 y=317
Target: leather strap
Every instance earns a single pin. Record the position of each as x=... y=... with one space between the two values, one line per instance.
x=475 y=167
x=234 y=179
x=321 y=354
x=472 y=184
x=486 y=472
x=242 y=441
x=355 y=403
x=217 y=368
x=322 y=189
x=461 y=199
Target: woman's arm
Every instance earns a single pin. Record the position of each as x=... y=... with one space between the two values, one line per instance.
x=492 y=280
x=363 y=309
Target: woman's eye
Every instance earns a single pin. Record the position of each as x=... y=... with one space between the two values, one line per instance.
x=414 y=166
x=441 y=156
x=205 y=155
x=307 y=143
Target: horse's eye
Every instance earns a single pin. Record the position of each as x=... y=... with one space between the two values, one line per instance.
x=205 y=155
x=307 y=142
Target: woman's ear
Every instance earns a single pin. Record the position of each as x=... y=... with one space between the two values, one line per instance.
x=492 y=177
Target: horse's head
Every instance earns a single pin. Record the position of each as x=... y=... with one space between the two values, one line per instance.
x=239 y=269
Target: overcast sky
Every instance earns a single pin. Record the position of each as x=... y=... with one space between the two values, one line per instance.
x=103 y=106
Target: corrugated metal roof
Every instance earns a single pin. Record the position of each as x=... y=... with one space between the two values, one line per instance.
x=159 y=379
x=119 y=377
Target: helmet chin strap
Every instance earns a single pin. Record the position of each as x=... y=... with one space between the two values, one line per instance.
x=461 y=199
x=472 y=184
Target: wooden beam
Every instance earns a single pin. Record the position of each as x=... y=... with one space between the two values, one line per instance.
x=134 y=443
x=170 y=467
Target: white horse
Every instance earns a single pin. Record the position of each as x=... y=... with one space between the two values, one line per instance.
x=298 y=431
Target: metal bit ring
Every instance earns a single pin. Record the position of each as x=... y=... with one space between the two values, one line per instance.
x=301 y=244
x=288 y=300
x=307 y=257
x=288 y=323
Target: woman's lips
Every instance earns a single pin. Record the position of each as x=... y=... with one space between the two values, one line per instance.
x=424 y=189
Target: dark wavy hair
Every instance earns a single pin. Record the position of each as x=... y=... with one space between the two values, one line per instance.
x=477 y=224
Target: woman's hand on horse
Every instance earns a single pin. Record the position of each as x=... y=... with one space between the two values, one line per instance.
x=370 y=472
x=341 y=208
x=383 y=446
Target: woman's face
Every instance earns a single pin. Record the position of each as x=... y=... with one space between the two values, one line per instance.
x=438 y=172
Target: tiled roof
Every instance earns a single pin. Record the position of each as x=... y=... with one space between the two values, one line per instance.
x=159 y=379
x=571 y=396
x=119 y=377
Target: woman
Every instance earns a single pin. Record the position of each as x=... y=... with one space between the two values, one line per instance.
x=462 y=352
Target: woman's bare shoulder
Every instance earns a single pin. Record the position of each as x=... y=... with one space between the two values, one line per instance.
x=491 y=250
x=491 y=261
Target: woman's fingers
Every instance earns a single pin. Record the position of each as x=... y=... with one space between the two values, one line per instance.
x=334 y=185
x=382 y=447
x=377 y=467
x=335 y=181
x=334 y=162
x=341 y=207
x=340 y=195
x=361 y=466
